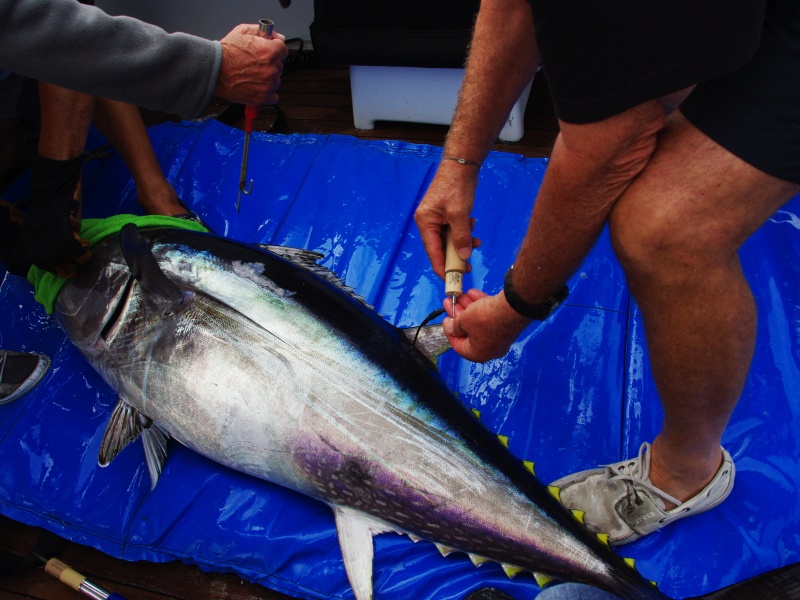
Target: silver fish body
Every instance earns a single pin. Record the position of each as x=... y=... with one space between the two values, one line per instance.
x=268 y=368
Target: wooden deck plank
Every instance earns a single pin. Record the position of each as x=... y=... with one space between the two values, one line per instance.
x=135 y=580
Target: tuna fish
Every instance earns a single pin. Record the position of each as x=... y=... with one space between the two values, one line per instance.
x=259 y=359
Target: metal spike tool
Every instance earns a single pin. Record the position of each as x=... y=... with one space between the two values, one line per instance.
x=250 y=113
x=454 y=268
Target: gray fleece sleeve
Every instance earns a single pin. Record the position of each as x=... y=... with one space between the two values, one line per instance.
x=82 y=48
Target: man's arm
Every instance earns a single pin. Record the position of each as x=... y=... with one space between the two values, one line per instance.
x=590 y=168
x=502 y=60
x=82 y=48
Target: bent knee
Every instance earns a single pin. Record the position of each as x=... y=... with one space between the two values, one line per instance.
x=640 y=237
x=667 y=243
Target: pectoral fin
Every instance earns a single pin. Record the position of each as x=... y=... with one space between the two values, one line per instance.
x=145 y=269
x=125 y=425
x=355 y=539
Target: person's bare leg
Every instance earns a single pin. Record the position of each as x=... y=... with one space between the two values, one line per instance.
x=677 y=231
x=50 y=232
x=122 y=124
x=65 y=116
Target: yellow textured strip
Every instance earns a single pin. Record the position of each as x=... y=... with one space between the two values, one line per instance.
x=444 y=550
x=478 y=560
x=555 y=492
x=510 y=570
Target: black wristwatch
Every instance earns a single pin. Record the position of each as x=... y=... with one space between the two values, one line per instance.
x=537 y=312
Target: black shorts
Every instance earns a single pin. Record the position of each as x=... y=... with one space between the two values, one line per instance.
x=602 y=58
x=754 y=112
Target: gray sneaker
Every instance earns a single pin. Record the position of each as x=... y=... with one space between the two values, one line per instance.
x=620 y=501
x=19 y=373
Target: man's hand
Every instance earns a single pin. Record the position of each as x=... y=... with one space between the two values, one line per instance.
x=448 y=202
x=484 y=326
x=53 y=219
x=251 y=66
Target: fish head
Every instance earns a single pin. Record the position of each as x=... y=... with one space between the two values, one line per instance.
x=88 y=304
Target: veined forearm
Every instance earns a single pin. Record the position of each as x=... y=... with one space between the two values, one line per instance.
x=502 y=60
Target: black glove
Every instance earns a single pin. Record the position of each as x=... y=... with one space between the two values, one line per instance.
x=12 y=250
x=53 y=218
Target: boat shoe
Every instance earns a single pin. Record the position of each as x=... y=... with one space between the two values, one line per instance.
x=620 y=501
x=19 y=373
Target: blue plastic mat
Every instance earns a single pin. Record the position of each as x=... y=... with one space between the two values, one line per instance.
x=573 y=392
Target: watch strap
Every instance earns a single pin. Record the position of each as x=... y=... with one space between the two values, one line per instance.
x=537 y=312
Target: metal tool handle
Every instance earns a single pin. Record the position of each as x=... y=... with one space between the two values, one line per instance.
x=250 y=115
x=266 y=26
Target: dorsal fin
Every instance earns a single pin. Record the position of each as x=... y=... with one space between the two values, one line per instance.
x=125 y=425
x=299 y=256
x=307 y=259
x=429 y=339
